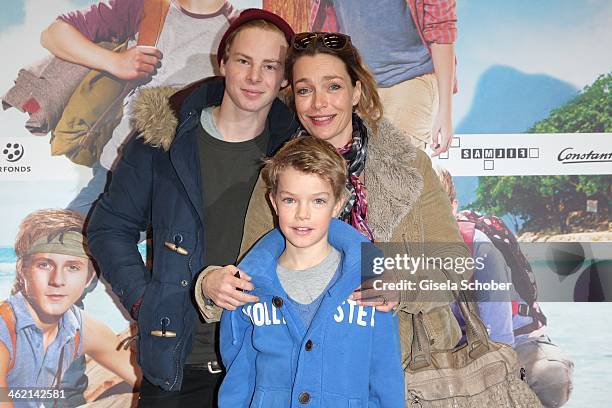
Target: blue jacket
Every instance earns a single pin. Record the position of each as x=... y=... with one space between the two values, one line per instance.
x=349 y=356
x=161 y=188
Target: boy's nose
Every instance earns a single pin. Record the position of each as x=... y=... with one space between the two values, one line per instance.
x=303 y=212
x=57 y=277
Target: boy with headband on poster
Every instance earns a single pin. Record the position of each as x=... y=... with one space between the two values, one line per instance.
x=43 y=334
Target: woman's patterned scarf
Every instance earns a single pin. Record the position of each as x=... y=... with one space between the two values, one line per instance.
x=355 y=212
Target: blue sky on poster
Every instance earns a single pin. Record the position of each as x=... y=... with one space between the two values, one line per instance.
x=565 y=39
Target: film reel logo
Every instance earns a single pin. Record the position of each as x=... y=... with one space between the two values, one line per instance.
x=12 y=152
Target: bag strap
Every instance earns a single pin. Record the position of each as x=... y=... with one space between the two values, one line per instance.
x=467 y=229
x=420 y=355
x=316 y=23
x=476 y=332
x=153 y=16
x=7 y=314
x=57 y=380
x=77 y=339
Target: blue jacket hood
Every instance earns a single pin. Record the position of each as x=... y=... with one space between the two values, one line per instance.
x=263 y=257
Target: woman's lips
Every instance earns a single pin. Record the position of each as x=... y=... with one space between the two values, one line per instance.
x=321 y=120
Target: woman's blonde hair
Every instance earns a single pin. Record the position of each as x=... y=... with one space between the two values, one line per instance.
x=369 y=107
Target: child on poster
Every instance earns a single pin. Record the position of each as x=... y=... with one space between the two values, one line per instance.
x=304 y=341
x=43 y=334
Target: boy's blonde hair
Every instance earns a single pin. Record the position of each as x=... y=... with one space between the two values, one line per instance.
x=48 y=223
x=311 y=156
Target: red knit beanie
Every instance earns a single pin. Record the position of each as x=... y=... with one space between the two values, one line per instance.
x=250 y=15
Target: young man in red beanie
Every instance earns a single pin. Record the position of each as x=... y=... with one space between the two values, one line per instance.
x=188 y=175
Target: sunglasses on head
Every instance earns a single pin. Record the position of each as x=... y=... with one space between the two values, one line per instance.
x=333 y=41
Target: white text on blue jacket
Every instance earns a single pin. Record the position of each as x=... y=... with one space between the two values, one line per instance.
x=264 y=314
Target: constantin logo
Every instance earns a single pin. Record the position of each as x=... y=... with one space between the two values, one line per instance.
x=569 y=156
x=12 y=152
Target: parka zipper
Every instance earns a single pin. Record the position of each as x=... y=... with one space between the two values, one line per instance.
x=414 y=399
x=178 y=346
x=189 y=115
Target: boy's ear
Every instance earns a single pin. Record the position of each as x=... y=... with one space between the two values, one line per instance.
x=273 y=202
x=222 y=67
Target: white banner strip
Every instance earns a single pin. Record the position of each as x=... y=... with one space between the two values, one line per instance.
x=528 y=154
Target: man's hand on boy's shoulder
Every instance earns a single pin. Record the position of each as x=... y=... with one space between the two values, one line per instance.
x=225 y=289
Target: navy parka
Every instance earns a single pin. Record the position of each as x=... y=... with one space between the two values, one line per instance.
x=161 y=190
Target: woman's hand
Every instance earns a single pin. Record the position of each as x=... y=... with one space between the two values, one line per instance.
x=383 y=301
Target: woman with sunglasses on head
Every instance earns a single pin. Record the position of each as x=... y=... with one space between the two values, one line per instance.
x=394 y=194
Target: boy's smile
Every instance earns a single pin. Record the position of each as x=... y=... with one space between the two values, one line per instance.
x=305 y=204
x=302 y=230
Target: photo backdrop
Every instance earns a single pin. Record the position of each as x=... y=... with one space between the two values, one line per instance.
x=533 y=144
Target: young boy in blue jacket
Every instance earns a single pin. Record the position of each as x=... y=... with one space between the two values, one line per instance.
x=304 y=343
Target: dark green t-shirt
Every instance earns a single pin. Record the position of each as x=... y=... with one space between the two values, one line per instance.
x=229 y=172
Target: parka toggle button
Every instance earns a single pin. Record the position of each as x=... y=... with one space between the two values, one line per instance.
x=165 y=322
x=174 y=246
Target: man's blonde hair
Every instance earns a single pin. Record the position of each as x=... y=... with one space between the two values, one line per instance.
x=259 y=23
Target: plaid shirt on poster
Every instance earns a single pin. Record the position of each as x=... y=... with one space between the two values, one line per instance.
x=436 y=20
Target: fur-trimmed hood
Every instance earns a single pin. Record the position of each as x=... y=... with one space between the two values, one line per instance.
x=394 y=184
x=153 y=118
x=159 y=111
